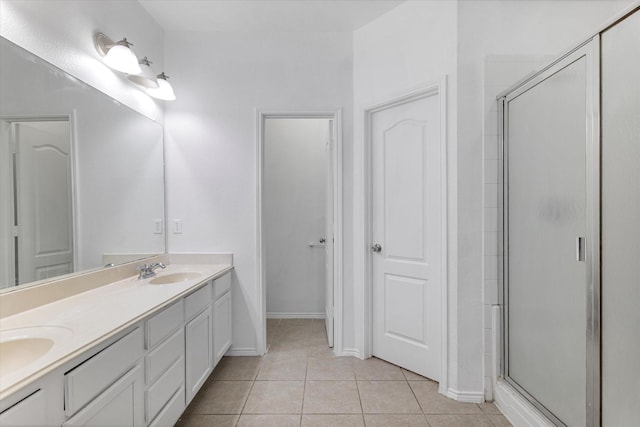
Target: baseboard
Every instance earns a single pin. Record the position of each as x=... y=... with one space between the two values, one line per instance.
x=516 y=408
x=295 y=315
x=466 y=396
x=242 y=352
x=353 y=352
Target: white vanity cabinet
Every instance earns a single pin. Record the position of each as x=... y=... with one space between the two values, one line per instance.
x=145 y=375
x=221 y=316
x=164 y=366
x=29 y=411
x=198 y=339
x=107 y=388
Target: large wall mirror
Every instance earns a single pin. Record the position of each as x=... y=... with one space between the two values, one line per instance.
x=81 y=175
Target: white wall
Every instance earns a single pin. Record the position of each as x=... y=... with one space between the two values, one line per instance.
x=62 y=32
x=510 y=39
x=420 y=41
x=211 y=138
x=411 y=45
x=294 y=215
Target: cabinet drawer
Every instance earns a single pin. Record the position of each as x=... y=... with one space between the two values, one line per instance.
x=161 y=358
x=161 y=392
x=171 y=412
x=221 y=285
x=162 y=324
x=198 y=300
x=121 y=405
x=28 y=412
x=89 y=379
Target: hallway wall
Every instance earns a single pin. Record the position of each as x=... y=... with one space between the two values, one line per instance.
x=211 y=139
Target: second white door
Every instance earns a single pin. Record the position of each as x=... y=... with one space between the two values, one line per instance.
x=407 y=232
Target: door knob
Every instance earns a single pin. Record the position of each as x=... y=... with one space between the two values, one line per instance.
x=376 y=247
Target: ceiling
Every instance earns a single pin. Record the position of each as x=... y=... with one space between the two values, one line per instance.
x=266 y=15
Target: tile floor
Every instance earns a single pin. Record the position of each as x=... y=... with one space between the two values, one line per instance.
x=300 y=383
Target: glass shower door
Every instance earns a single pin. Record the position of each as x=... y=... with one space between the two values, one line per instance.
x=546 y=278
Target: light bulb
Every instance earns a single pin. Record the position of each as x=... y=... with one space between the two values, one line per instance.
x=164 y=90
x=119 y=55
x=146 y=78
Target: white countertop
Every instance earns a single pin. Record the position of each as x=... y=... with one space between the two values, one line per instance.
x=97 y=315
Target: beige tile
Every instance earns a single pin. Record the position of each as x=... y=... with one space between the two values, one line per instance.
x=289 y=349
x=489 y=408
x=332 y=421
x=296 y=322
x=459 y=421
x=272 y=323
x=499 y=420
x=281 y=369
x=331 y=397
x=387 y=397
x=433 y=402
x=199 y=420
x=388 y=420
x=294 y=333
x=317 y=338
x=320 y=351
x=318 y=325
x=338 y=368
x=269 y=421
x=275 y=397
x=237 y=368
x=220 y=397
x=412 y=376
x=376 y=369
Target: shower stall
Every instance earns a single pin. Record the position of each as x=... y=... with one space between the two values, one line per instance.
x=570 y=139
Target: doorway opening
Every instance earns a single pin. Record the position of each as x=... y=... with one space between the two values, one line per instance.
x=37 y=199
x=299 y=222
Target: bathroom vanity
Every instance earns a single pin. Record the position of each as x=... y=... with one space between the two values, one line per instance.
x=128 y=352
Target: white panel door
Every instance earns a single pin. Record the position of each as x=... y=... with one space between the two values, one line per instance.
x=407 y=224
x=43 y=162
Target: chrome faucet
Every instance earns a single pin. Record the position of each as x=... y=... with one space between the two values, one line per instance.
x=147 y=271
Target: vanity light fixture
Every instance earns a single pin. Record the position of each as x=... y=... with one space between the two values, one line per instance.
x=117 y=55
x=146 y=78
x=164 y=91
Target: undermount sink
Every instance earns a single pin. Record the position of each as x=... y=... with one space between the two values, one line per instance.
x=175 y=278
x=23 y=346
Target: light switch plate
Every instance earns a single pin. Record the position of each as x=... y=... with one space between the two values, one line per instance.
x=177 y=226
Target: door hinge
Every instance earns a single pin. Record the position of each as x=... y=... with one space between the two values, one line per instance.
x=15 y=231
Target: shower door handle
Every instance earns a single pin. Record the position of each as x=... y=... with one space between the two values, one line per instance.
x=580 y=249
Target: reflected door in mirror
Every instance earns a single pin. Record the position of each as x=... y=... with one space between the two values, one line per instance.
x=42 y=190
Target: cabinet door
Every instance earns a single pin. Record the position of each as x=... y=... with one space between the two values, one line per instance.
x=199 y=352
x=122 y=404
x=222 y=326
x=28 y=412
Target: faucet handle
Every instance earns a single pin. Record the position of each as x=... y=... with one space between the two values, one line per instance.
x=142 y=267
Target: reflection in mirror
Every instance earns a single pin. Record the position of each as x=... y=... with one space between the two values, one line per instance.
x=81 y=176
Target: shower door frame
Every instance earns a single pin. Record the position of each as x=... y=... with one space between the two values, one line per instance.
x=589 y=49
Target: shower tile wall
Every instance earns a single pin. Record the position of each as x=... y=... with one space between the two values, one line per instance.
x=500 y=73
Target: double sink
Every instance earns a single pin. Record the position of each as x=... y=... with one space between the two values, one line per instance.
x=20 y=347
